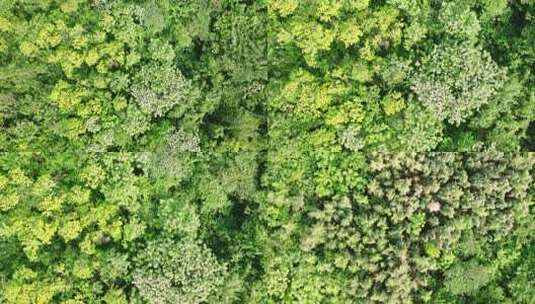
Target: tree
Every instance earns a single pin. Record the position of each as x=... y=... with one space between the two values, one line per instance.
x=175 y=272
x=455 y=80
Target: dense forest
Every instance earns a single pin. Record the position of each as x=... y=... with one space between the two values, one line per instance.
x=267 y=151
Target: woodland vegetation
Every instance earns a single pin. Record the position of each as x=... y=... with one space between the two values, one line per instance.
x=267 y=151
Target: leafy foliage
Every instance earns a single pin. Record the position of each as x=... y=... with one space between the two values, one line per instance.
x=457 y=80
x=169 y=272
x=267 y=151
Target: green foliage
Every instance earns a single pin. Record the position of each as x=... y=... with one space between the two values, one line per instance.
x=267 y=151
x=455 y=80
x=457 y=19
x=521 y=285
x=171 y=272
x=464 y=278
x=158 y=89
x=405 y=224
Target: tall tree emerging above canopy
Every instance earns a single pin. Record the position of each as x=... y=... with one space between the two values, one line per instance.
x=456 y=80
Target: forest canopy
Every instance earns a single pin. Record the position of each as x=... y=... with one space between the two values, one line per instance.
x=267 y=151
